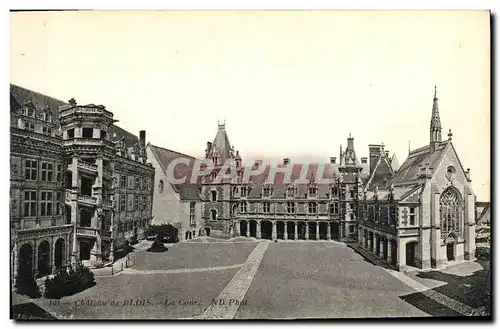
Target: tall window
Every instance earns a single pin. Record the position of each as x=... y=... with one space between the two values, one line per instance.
x=290 y=191
x=244 y=191
x=413 y=216
x=213 y=214
x=267 y=191
x=313 y=207
x=161 y=186
x=123 y=181
x=130 y=202
x=137 y=183
x=290 y=207
x=392 y=214
x=47 y=130
x=71 y=133
x=243 y=207
x=58 y=203
x=58 y=173
x=335 y=191
x=30 y=126
x=30 y=203
x=213 y=196
x=451 y=213
x=136 y=201
x=30 y=171
x=353 y=194
x=123 y=202
x=46 y=204
x=87 y=132
x=334 y=208
x=47 y=171
x=266 y=207
x=192 y=213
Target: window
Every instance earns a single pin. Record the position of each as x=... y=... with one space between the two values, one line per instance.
x=266 y=207
x=71 y=133
x=47 y=130
x=87 y=132
x=290 y=207
x=30 y=203
x=213 y=196
x=58 y=173
x=192 y=213
x=334 y=208
x=123 y=202
x=243 y=207
x=160 y=186
x=266 y=191
x=30 y=172
x=58 y=203
x=131 y=182
x=377 y=213
x=46 y=204
x=130 y=202
x=30 y=126
x=392 y=214
x=335 y=191
x=244 y=191
x=47 y=171
x=136 y=201
x=312 y=190
x=353 y=194
x=312 y=207
x=290 y=191
x=213 y=214
x=412 y=216
x=137 y=183
x=123 y=181
x=103 y=134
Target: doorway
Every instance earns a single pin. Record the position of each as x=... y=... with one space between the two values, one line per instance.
x=450 y=251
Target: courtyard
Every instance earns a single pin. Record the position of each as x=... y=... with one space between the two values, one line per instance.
x=208 y=278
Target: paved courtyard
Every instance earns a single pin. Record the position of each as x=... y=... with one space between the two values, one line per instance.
x=248 y=279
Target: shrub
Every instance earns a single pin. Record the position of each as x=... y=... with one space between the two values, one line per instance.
x=26 y=285
x=65 y=283
x=157 y=246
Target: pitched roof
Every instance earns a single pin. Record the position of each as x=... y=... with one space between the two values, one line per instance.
x=395 y=162
x=382 y=174
x=221 y=144
x=20 y=96
x=165 y=157
x=417 y=159
x=399 y=193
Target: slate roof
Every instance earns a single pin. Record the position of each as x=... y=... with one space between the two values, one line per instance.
x=221 y=143
x=164 y=157
x=417 y=159
x=20 y=96
x=395 y=163
x=399 y=193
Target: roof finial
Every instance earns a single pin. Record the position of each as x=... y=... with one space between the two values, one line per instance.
x=349 y=135
x=435 y=92
x=409 y=149
x=449 y=135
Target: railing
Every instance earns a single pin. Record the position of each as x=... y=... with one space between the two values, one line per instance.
x=86 y=231
x=86 y=165
x=87 y=199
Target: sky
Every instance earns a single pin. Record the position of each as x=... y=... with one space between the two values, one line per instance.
x=287 y=83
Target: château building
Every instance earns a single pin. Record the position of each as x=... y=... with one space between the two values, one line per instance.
x=423 y=214
x=80 y=186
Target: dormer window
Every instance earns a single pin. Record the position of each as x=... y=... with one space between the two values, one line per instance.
x=47 y=131
x=30 y=112
x=312 y=190
x=30 y=126
x=266 y=191
x=290 y=191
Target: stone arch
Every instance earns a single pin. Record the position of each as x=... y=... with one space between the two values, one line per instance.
x=311 y=226
x=213 y=214
x=85 y=250
x=334 y=230
x=59 y=252
x=290 y=229
x=410 y=250
x=243 y=227
x=323 y=230
x=301 y=230
x=213 y=195
x=25 y=265
x=280 y=230
x=44 y=258
x=266 y=229
x=253 y=228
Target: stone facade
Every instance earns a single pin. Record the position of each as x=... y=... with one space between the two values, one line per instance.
x=67 y=161
x=422 y=215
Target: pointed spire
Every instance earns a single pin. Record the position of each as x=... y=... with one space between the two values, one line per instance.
x=435 y=128
x=409 y=149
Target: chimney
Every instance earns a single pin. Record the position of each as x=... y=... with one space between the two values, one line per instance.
x=209 y=146
x=333 y=159
x=467 y=175
x=350 y=142
x=286 y=161
x=142 y=138
x=364 y=160
x=374 y=152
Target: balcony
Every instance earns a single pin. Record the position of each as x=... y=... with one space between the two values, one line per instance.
x=87 y=199
x=86 y=231
x=90 y=167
